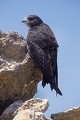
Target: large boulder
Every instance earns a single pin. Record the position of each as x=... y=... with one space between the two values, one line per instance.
x=72 y=114
x=29 y=110
x=19 y=75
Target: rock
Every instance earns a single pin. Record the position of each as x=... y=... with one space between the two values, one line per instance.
x=35 y=104
x=32 y=108
x=72 y=114
x=11 y=110
x=12 y=46
x=30 y=115
x=19 y=76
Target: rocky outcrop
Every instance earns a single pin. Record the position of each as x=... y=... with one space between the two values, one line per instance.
x=18 y=74
x=32 y=109
x=72 y=114
x=19 y=77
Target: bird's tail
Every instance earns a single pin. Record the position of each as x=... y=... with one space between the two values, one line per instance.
x=53 y=86
x=53 y=81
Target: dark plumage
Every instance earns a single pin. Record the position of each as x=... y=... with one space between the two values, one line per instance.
x=42 y=47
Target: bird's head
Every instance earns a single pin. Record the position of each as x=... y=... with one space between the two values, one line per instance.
x=32 y=20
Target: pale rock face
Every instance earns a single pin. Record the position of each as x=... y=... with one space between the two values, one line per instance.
x=29 y=110
x=35 y=104
x=30 y=115
x=19 y=76
x=32 y=110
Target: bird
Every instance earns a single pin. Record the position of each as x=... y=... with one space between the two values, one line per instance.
x=43 y=47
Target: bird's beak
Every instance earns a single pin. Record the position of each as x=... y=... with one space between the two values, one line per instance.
x=24 y=20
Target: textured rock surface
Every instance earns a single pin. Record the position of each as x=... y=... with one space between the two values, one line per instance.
x=11 y=110
x=35 y=104
x=73 y=114
x=30 y=115
x=32 y=108
x=18 y=73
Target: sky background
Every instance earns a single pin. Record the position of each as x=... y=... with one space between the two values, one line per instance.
x=63 y=16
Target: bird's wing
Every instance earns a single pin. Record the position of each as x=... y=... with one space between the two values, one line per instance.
x=43 y=59
x=36 y=53
x=39 y=56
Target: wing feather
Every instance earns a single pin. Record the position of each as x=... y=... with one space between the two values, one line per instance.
x=43 y=61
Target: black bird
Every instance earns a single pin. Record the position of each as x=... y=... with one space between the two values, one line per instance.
x=42 y=47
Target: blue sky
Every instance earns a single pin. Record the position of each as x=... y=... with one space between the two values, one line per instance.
x=63 y=16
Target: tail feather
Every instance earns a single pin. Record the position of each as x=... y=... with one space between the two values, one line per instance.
x=43 y=84
x=52 y=86
x=56 y=89
x=44 y=81
x=52 y=80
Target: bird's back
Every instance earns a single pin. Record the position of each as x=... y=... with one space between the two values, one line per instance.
x=42 y=33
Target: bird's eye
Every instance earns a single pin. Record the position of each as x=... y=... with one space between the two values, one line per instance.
x=30 y=18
